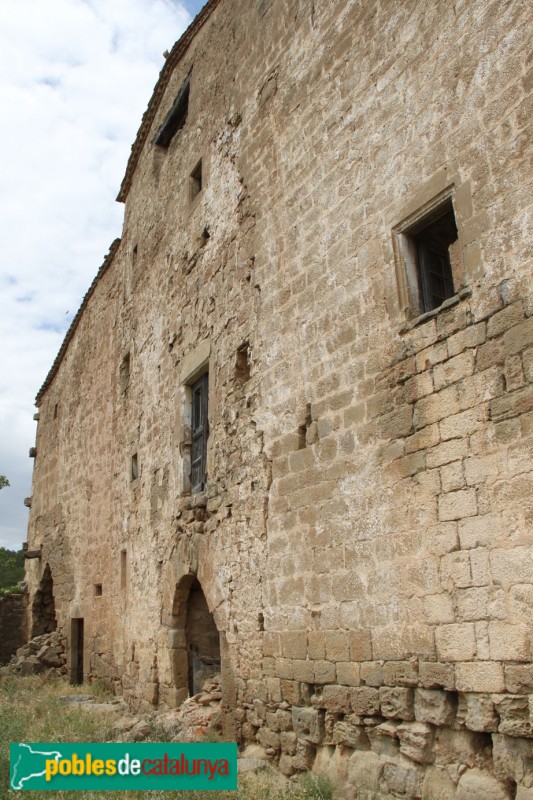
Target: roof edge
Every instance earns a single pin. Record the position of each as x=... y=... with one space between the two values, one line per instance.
x=108 y=260
x=176 y=54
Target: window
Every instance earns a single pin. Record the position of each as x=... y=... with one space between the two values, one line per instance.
x=428 y=252
x=123 y=568
x=124 y=372
x=176 y=117
x=134 y=467
x=98 y=590
x=199 y=433
x=195 y=181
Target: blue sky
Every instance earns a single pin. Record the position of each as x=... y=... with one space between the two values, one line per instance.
x=75 y=78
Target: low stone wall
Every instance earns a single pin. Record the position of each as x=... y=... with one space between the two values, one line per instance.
x=13 y=632
x=406 y=740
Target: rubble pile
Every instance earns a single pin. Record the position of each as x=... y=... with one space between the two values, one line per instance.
x=197 y=717
x=43 y=654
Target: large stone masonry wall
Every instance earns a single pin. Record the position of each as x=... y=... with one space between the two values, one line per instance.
x=364 y=539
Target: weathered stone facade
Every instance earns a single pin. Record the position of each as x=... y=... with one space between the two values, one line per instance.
x=363 y=544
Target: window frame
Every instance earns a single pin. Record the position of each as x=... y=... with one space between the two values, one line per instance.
x=199 y=432
x=410 y=279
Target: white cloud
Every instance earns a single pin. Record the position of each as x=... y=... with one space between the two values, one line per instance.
x=75 y=78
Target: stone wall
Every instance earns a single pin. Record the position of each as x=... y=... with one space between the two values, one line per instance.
x=363 y=542
x=13 y=630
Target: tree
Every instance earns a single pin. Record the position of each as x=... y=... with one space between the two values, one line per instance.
x=11 y=567
x=3 y=481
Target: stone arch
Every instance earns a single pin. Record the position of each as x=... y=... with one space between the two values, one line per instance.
x=43 y=609
x=195 y=640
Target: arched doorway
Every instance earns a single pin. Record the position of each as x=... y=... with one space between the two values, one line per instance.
x=43 y=607
x=195 y=640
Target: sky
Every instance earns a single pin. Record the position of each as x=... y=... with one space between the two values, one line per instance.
x=75 y=79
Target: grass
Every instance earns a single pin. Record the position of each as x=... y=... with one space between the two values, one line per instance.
x=30 y=711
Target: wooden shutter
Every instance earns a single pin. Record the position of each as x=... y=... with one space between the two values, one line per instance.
x=200 y=432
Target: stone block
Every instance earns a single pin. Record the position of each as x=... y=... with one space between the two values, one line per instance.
x=397 y=423
x=316 y=645
x=403 y=780
x=348 y=674
x=425 y=437
x=350 y=734
x=285 y=765
x=480 y=602
x=334 y=698
x=512 y=757
x=360 y=644
x=288 y=742
x=337 y=647
x=437 y=785
x=446 y=453
x=512 y=565
x=457 y=505
x=455 y=571
x=400 y=673
x=268 y=739
x=397 y=702
x=291 y=692
x=519 y=338
x=453 y=370
x=456 y=642
x=452 y=476
x=325 y=672
x=303 y=671
x=472 y=336
x=271 y=643
x=434 y=706
x=509 y=642
x=305 y=755
x=477 y=713
x=364 y=770
x=365 y=701
x=308 y=724
x=508 y=317
x=372 y=673
x=279 y=720
x=416 y=742
x=514 y=713
x=477 y=785
x=294 y=644
x=435 y=407
x=439 y=609
x=512 y=405
x=384 y=738
x=519 y=678
x=480 y=531
x=480 y=566
x=479 y=676
x=433 y=675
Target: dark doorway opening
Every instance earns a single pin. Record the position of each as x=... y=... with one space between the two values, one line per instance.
x=196 y=640
x=76 y=651
x=43 y=606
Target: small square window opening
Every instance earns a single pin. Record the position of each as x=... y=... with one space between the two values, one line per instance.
x=195 y=181
x=429 y=252
x=98 y=590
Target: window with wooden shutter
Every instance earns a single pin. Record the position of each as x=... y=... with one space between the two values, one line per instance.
x=200 y=432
